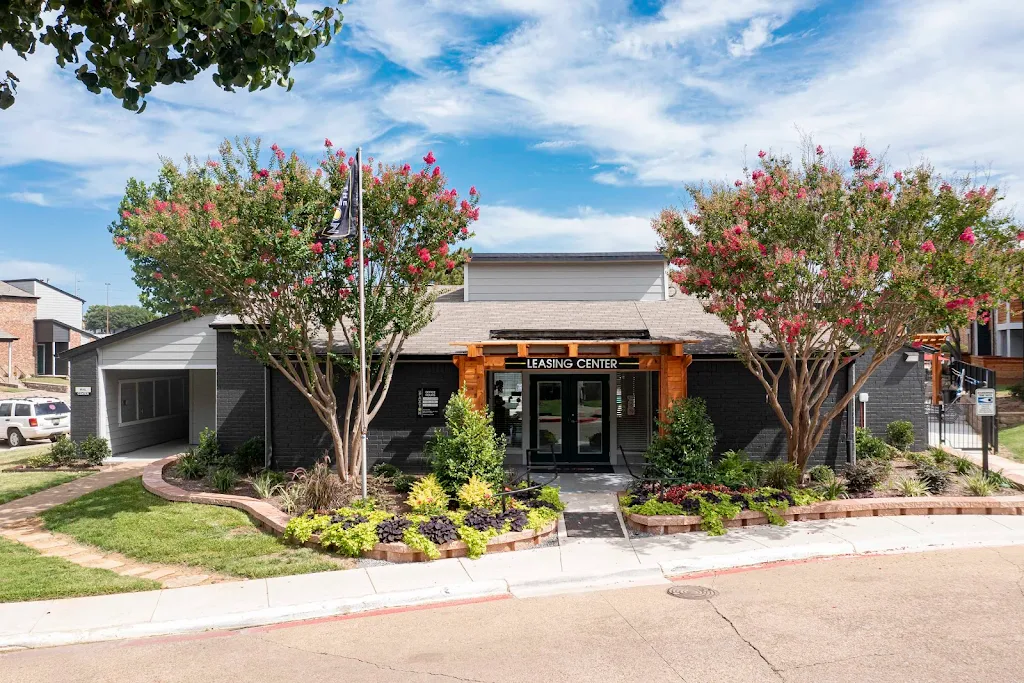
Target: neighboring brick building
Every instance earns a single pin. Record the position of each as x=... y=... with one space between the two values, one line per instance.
x=38 y=322
x=574 y=351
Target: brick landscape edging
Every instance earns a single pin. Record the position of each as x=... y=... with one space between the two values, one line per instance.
x=274 y=520
x=839 y=509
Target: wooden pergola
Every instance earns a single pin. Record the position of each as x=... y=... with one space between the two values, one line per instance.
x=666 y=357
x=934 y=340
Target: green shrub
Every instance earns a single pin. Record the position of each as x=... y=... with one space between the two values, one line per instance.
x=936 y=478
x=415 y=539
x=351 y=540
x=1017 y=391
x=189 y=466
x=911 y=487
x=291 y=498
x=403 y=482
x=939 y=456
x=300 y=529
x=654 y=507
x=94 y=450
x=43 y=459
x=682 y=450
x=224 y=479
x=821 y=474
x=870 y=447
x=208 y=450
x=551 y=496
x=1000 y=480
x=864 y=476
x=466 y=447
x=538 y=518
x=428 y=497
x=267 y=484
x=476 y=493
x=779 y=474
x=386 y=470
x=963 y=466
x=735 y=470
x=833 y=490
x=809 y=496
x=250 y=456
x=900 y=434
x=63 y=452
x=979 y=485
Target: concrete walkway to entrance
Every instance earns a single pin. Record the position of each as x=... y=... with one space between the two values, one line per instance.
x=575 y=564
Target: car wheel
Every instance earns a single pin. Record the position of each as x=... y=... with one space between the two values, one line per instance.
x=53 y=439
x=15 y=439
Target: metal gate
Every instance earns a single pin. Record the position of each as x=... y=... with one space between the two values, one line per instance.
x=955 y=422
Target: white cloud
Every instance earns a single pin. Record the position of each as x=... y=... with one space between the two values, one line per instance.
x=552 y=145
x=15 y=269
x=37 y=198
x=507 y=228
x=756 y=35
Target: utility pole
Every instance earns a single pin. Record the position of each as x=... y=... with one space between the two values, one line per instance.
x=108 y=306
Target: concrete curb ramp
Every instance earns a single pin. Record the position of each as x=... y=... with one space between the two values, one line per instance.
x=578 y=565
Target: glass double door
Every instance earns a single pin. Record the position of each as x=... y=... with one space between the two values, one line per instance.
x=570 y=416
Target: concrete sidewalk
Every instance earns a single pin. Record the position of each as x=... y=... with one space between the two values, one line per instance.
x=574 y=565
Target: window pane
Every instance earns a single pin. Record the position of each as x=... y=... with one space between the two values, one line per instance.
x=507 y=406
x=590 y=417
x=163 y=397
x=145 y=400
x=55 y=408
x=21 y=410
x=177 y=396
x=129 y=411
x=549 y=416
x=5 y=409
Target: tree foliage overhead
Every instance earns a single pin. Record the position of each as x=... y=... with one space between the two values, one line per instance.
x=122 y=317
x=234 y=236
x=813 y=267
x=131 y=46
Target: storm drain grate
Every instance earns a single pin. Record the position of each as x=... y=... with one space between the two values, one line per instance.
x=692 y=592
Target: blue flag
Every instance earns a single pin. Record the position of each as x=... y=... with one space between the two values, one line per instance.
x=343 y=223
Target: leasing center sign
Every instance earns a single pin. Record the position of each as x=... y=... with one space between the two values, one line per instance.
x=541 y=363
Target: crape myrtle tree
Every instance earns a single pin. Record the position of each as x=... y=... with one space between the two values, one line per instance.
x=236 y=237
x=132 y=46
x=813 y=265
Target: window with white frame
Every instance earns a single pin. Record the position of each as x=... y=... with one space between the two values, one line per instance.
x=151 y=399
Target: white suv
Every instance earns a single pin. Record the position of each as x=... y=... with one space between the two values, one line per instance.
x=33 y=418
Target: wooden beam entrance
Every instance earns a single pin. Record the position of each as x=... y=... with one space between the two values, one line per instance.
x=667 y=358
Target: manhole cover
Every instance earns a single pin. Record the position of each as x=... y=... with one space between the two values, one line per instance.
x=692 y=592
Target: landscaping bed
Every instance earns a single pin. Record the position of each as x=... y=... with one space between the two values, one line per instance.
x=37 y=468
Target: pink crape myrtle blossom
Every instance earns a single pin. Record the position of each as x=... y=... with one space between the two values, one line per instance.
x=809 y=264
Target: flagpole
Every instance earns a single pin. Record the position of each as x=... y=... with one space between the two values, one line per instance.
x=362 y=327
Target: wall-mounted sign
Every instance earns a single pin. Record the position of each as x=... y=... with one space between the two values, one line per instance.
x=83 y=391
x=986 y=399
x=541 y=363
x=428 y=402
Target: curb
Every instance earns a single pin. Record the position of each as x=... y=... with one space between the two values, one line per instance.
x=273 y=615
x=643 y=576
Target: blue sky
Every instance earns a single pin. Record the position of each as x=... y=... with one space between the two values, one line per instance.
x=576 y=119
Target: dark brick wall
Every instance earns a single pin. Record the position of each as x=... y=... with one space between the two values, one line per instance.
x=84 y=409
x=240 y=394
x=396 y=434
x=744 y=419
x=896 y=392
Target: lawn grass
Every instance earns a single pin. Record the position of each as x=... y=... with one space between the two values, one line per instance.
x=12 y=390
x=17 y=456
x=1011 y=442
x=27 y=575
x=14 y=485
x=47 y=379
x=127 y=519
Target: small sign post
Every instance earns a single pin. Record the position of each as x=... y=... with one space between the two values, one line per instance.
x=428 y=403
x=986 y=410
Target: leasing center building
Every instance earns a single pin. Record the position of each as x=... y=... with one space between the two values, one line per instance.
x=575 y=354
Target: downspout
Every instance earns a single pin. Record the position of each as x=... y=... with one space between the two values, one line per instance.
x=268 y=434
x=851 y=416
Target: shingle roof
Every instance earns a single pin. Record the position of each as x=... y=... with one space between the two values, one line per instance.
x=680 y=317
x=520 y=257
x=13 y=292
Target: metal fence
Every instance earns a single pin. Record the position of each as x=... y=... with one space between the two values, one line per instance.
x=955 y=421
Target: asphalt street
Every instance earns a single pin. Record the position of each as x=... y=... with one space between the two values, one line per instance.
x=940 y=616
